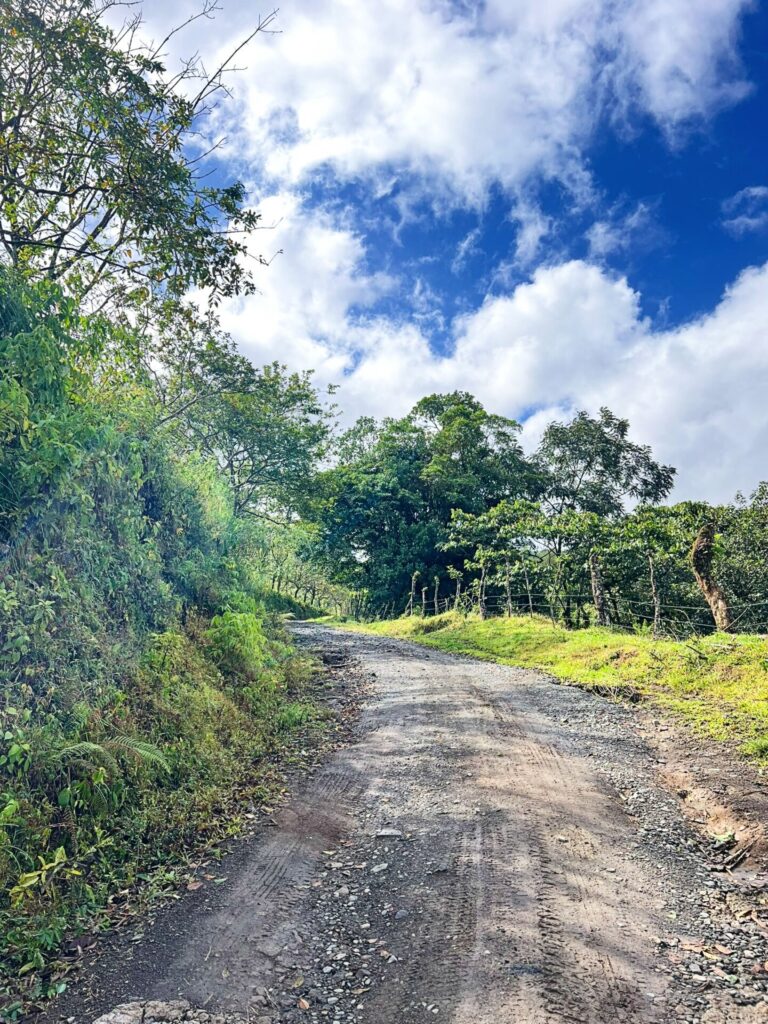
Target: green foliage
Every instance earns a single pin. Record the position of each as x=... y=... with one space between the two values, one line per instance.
x=384 y=512
x=129 y=719
x=97 y=185
x=44 y=426
x=237 y=644
x=590 y=465
x=144 y=676
x=263 y=427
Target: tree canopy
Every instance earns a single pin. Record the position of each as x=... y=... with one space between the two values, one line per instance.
x=102 y=159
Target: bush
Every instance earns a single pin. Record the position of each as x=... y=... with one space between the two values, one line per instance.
x=237 y=645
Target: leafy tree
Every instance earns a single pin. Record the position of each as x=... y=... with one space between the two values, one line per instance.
x=741 y=556
x=266 y=431
x=265 y=427
x=45 y=422
x=648 y=559
x=101 y=180
x=475 y=457
x=385 y=508
x=591 y=465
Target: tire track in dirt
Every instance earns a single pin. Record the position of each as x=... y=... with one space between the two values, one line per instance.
x=468 y=860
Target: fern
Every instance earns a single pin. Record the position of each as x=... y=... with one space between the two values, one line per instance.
x=104 y=753
x=140 y=749
x=85 y=750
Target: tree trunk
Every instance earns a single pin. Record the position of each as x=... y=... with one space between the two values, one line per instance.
x=507 y=587
x=655 y=595
x=481 y=595
x=702 y=553
x=528 y=589
x=458 y=595
x=598 y=590
x=423 y=602
x=437 y=595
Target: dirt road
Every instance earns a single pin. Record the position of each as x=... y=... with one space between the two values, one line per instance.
x=492 y=848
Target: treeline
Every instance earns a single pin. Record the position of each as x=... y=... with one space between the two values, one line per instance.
x=442 y=509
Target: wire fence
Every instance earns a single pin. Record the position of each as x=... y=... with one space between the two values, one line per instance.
x=669 y=619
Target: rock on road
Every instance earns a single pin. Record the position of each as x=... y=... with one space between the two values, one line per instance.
x=491 y=847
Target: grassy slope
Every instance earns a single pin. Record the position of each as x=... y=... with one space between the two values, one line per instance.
x=717 y=683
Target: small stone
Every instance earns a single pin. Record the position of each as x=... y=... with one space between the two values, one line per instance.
x=163 y=1011
x=126 y=1013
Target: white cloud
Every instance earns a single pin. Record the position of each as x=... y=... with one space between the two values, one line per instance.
x=572 y=337
x=415 y=98
x=534 y=226
x=303 y=314
x=466 y=248
x=677 y=59
x=617 y=231
x=503 y=91
x=747 y=210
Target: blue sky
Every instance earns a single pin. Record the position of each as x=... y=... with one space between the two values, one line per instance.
x=555 y=206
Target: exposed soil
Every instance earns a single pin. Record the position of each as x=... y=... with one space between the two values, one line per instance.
x=492 y=846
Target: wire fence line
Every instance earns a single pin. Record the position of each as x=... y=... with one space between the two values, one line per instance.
x=673 y=620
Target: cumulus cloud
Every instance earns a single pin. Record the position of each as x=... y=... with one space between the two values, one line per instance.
x=571 y=337
x=435 y=99
x=746 y=211
x=462 y=96
x=678 y=60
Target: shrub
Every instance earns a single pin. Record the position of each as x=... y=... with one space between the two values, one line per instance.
x=237 y=644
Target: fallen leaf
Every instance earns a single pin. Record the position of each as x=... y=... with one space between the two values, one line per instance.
x=192 y=886
x=303 y=1004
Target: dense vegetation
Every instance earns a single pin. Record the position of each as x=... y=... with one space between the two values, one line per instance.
x=149 y=477
x=142 y=682
x=442 y=509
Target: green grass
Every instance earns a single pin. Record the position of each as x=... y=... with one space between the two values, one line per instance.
x=718 y=684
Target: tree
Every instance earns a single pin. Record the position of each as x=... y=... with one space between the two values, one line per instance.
x=267 y=429
x=385 y=509
x=591 y=465
x=46 y=422
x=649 y=557
x=101 y=168
x=702 y=556
x=475 y=458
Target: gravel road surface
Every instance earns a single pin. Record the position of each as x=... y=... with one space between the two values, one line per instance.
x=491 y=847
